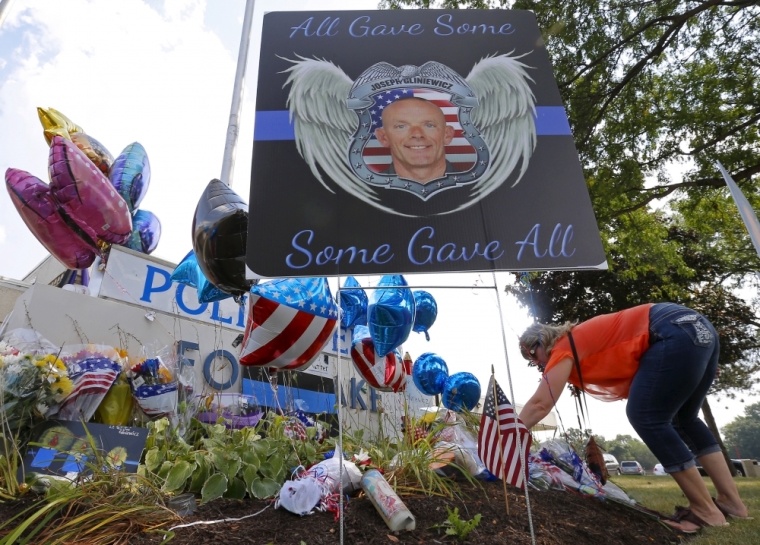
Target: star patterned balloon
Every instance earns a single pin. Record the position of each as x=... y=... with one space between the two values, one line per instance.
x=290 y=320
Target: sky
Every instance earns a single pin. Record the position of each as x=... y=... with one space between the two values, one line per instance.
x=161 y=72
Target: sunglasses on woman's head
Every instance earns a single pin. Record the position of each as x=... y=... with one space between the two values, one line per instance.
x=530 y=353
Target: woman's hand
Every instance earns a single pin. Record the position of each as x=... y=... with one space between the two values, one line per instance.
x=552 y=385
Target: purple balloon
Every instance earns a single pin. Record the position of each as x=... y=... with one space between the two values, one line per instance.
x=130 y=175
x=86 y=195
x=146 y=232
x=58 y=234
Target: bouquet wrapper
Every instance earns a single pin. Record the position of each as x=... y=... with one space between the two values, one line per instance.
x=93 y=369
x=157 y=399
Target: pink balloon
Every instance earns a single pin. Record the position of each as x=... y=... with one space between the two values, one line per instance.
x=34 y=202
x=86 y=195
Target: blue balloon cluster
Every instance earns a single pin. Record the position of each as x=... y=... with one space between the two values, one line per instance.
x=390 y=313
x=431 y=376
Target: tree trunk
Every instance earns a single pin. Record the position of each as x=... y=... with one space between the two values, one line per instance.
x=710 y=421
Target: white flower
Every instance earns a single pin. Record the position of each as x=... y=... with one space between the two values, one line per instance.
x=42 y=408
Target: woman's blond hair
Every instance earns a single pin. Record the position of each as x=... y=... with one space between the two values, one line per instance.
x=545 y=335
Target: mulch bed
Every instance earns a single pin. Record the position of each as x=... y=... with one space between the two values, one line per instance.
x=558 y=518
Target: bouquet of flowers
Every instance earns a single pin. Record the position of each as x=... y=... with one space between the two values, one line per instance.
x=154 y=383
x=92 y=369
x=31 y=386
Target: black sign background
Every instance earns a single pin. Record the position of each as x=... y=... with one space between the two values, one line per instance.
x=544 y=222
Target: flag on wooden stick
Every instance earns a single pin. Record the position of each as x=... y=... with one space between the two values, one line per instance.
x=502 y=437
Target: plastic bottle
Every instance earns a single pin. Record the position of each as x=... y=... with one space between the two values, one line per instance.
x=388 y=504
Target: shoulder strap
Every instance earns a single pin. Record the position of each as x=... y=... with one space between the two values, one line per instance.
x=578 y=370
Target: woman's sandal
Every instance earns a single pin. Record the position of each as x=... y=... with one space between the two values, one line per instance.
x=684 y=514
x=727 y=514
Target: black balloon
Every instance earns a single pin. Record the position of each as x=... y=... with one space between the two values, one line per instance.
x=220 y=229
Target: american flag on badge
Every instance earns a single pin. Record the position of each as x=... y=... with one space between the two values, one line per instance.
x=459 y=152
x=289 y=322
x=500 y=429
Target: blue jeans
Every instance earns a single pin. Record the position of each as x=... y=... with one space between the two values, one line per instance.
x=667 y=391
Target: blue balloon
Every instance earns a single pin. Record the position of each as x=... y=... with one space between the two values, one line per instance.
x=208 y=292
x=130 y=174
x=188 y=272
x=146 y=232
x=390 y=314
x=429 y=373
x=353 y=303
x=462 y=390
x=425 y=313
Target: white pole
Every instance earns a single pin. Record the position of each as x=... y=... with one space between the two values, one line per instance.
x=228 y=164
x=4 y=8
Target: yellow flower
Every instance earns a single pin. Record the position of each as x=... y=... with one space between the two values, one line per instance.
x=62 y=386
x=56 y=362
x=165 y=375
x=40 y=362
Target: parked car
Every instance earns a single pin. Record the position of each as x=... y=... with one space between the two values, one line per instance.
x=659 y=470
x=738 y=468
x=631 y=467
x=612 y=464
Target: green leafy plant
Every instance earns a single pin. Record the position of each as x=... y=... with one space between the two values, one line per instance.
x=218 y=462
x=457 y=527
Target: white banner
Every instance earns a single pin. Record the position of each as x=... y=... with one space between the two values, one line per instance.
x=143 y=281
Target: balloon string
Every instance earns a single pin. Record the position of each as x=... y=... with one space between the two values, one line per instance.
x=273 y=384
x=340 y=422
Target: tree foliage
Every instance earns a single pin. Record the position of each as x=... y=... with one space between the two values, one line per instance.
x=744 y=433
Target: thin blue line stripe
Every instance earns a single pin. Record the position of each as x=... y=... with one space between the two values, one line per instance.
x=276 y=125
x=317 y=402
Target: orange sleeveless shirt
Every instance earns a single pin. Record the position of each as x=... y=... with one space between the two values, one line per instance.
x=609 y=349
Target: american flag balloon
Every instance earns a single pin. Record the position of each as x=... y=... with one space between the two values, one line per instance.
x=289 y=321
x=384 y=373
x=459 y=152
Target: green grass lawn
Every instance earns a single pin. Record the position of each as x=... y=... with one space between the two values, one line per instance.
x=663 y=494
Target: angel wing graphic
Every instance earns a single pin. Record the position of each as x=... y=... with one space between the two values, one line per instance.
x=496 y=112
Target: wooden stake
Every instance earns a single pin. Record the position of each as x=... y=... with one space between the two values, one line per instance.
x=501 y=447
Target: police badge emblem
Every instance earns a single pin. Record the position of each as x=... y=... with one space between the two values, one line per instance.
x=490 y=116
x=383 y=85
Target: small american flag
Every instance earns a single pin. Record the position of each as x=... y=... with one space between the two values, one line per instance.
x=459 y=152
x=504 y=425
